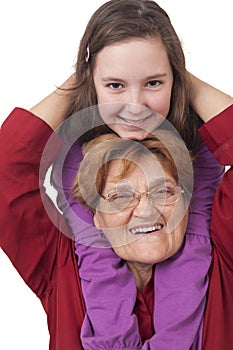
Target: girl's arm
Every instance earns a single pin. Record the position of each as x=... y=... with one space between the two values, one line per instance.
x=207 y=101
x=53 y=108
x=32 y=232
x=26 y=228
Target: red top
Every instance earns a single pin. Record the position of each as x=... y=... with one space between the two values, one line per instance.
x=41 y=253
x=144 y=310
x=218 y=323
x=45 y=257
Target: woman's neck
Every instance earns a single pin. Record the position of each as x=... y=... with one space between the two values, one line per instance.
x=141 y=272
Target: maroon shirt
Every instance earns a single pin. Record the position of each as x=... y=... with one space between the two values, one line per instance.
x=45 y=257
x=218 y=322
x=42 y=254
x=144 y=310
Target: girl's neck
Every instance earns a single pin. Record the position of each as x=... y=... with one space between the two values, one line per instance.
x=141 y=272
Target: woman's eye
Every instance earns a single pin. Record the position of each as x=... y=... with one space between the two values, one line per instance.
x=120 y=196
x=115 y=86
x=123 y=195
x=164 y=191
x=153 y=83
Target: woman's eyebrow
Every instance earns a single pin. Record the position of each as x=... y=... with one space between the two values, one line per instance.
x=156 y=182
x=162 y=181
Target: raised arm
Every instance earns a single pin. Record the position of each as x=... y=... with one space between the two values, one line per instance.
x=26 y=228
x=54 y=108
x=32 y=232
x=207 y=101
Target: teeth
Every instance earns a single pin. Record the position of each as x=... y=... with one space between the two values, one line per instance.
x=149 y=229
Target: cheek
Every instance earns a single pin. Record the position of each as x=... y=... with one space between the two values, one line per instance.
x=177 y=235
x=121 y=252
x=111 y=221
x=176 y=218
x=161 y=103
x=108 y=110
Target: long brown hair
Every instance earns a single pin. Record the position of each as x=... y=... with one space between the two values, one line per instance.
x=122 y=20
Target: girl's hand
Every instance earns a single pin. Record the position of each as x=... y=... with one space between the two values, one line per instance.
x=53 y=108
x=206 y=100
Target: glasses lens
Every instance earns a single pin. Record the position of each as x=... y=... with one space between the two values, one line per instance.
x=160 y=196
x=121 y=200
x=164 y=195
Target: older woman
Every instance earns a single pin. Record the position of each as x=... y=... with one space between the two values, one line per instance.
x=139 y=198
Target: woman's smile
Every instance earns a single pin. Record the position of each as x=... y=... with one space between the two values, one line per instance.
x=142 y=229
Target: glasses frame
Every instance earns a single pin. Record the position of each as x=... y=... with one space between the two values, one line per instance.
x=138 y=196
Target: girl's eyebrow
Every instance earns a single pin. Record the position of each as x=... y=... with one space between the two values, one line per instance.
x=156 y=76
x=150 y=77
x=112 y=79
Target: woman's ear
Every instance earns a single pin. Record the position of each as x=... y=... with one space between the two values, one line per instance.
x=96 y=220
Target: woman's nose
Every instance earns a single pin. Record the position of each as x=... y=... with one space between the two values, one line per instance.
x=146 y=208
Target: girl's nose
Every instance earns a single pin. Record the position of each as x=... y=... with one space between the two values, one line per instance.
x=134 y=109
x=135 y=101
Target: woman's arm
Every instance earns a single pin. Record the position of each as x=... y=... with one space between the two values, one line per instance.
x=101 y=270
x=207 y=101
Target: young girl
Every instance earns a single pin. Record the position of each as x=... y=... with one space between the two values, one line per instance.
x=130 y=57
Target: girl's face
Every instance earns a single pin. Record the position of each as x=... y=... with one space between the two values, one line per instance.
x=133 y=82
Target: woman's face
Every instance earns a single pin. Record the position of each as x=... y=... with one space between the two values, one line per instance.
x=148 y=233
x=133 y=81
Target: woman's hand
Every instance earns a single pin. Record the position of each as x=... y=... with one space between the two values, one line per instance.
x=54 y=108
x=206 y=100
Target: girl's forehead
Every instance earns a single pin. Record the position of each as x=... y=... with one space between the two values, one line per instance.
x=132 y=63
x=134 y=49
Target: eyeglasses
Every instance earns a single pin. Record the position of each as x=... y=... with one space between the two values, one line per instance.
x=159 y=197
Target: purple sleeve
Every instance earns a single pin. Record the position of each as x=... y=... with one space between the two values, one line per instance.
x=181 y=281
x=108 y=287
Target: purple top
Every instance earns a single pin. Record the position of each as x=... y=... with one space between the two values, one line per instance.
x=180 y=283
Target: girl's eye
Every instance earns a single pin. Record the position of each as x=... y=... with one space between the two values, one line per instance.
x=115 y=86
x=153 y=83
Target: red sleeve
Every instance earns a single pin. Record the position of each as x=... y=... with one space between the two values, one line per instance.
x=27 y=234
x=218 y=135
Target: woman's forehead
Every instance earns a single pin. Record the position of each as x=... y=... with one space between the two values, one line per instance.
x=148 y=171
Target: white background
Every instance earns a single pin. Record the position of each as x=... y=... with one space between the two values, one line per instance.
x=38 y=45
